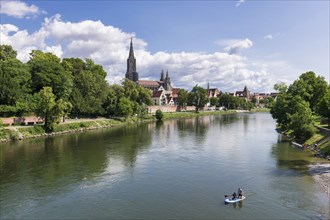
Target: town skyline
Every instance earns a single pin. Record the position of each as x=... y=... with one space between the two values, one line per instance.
x=204 y=44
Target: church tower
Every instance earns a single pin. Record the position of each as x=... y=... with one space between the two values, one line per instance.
x=167 y=82
x=131 y=73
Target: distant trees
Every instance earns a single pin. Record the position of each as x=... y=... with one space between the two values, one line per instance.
x=268 y=102
x=295 y=105
x=214 y=101
x=182 y=98
x=130 y=96
x=233 y=102
x=198 y=97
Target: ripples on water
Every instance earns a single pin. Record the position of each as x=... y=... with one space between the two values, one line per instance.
x=175 y=169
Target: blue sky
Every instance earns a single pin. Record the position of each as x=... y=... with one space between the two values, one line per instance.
x=229 y=44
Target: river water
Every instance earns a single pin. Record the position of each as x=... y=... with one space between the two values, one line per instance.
x=178 y=169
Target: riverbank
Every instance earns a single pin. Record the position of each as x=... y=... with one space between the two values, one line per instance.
x=15 y=133
x=321 y=174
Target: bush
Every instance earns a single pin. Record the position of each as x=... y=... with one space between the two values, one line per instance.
x=30 y=131
x=159 y=115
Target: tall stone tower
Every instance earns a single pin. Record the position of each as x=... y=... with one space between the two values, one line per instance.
x=131 y=73
x=167 y=82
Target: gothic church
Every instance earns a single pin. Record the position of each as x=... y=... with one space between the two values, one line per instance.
x=163 y=92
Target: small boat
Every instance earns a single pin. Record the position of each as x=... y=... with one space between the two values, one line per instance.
x=230 y=200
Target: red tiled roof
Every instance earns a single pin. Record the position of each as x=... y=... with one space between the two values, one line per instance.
x=148 y=83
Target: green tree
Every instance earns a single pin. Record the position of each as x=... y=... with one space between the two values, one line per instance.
x=142 y=111
x=214 y=101
x=323 y=107
x=182 y=98
x=281 y=87
x=90 y=87
x=225 y=100
x=268 y=102
x=310 y=88
x=46 y=107
x=198 y=97
x=159 y=115
x=62 y=109
x=280 y=108
x=47 y=71
x=49 y=109
x=136 y=94
x=125 y=107
x=14 y=77
x=7 y=52
x=144 y=96
x=300 y=119
x=114 y=93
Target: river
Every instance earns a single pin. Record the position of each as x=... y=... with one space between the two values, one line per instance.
x=177 y=169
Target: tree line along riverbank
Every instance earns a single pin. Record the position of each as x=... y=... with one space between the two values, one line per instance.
x=14 y=133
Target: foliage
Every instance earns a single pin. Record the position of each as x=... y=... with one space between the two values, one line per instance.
x=142 y=111
x=310 y=88
x=46 y=107
x=90 y=87
x=233 y=102
x=182 y=98
x=14 y=77
x=214 y=101
x=159 y=115
x=198 y=97
x=62 y=109
x=323 y=107
x=114 y=93
x=125 y=107
x=7 y=52
x=33 y=130
x=268 y=102
x=294 y=106
x=300 y=119
x=47 y=71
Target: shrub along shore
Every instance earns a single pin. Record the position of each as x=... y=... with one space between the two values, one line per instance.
x=8 y=134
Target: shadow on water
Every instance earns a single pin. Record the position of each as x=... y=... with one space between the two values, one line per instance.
x=288 y=157
x=236 y=205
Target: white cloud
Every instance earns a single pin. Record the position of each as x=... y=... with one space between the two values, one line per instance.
x=235 y=46
x=238 y=3
x=108 y=46
x=268 y=37
x=19 y=9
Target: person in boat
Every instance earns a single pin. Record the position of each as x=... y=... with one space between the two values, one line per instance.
x=240 y=193
x=234 y=195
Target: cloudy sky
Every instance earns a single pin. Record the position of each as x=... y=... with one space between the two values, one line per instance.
x=228 y=44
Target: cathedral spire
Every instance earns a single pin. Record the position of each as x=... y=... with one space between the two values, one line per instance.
x=131 y=51
x=162 y=76
x=131 y=65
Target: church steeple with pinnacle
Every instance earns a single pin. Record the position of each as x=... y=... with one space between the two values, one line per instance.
x=131 y=73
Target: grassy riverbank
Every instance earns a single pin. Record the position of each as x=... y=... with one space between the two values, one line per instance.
x=13 y=133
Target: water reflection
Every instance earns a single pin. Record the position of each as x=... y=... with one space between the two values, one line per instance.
x=55 y=162
x=288 y=157
x=167 y=170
